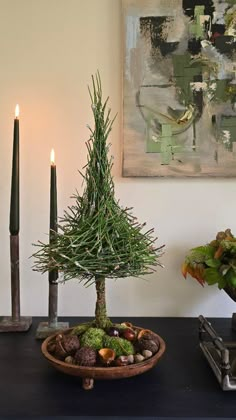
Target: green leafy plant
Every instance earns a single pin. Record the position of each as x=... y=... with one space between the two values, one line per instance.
x=214 y=263
x=97 y=238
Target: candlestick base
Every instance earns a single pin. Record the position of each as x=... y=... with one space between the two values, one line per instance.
x=7 y=324
x=44 y=330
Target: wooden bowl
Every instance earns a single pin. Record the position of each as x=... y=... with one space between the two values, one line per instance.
x=90 y=373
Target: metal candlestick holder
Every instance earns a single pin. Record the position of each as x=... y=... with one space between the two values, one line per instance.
x=220 y=355
x=45 y=329
x=15 y=322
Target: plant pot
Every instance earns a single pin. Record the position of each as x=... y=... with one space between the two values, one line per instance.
x=88 y=374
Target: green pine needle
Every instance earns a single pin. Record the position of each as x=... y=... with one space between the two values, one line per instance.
x=96 y=237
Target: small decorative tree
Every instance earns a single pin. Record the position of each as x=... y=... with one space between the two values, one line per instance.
x=97 y=239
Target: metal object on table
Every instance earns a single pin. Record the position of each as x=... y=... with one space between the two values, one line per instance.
x=220 y=355
x=45 y=329
x=15 y=322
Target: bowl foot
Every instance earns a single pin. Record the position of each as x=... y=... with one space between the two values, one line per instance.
x=88 y=383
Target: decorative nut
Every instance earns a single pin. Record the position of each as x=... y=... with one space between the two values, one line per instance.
x=107 y=356
x=146 y=354
x=113 y=332
x=129 y=334
x=146 y=333
x=122 y=361
x=59 y=337
x=127 y=324
x=70 y=360
x=131 y=358
x=138 y=358
x=51 y=347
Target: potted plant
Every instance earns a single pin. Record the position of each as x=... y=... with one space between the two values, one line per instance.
x=214 y=263
x=98 y=239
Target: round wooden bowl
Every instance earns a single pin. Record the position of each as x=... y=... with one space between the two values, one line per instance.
x=90 y=373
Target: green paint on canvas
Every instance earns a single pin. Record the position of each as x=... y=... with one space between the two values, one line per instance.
x=196 y=28
x=184 y=75
x=166 y=144
x=153 y=146
x=179 y=62
x=228 y=122
x=227 y=131
x=220 y=93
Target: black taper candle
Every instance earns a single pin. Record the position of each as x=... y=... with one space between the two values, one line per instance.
x=14 y=225
x=53 y=275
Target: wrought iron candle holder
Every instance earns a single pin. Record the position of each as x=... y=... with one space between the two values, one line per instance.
x=220 y=355
x=15 y=322
x=46 y=329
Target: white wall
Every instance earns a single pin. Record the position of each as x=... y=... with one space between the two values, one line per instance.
x=48 y=50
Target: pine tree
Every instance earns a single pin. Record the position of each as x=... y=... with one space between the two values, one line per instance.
x=97 y=238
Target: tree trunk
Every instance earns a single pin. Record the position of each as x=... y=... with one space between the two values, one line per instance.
x=102 y=321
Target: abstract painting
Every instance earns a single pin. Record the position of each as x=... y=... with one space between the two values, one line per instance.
x=179 y=88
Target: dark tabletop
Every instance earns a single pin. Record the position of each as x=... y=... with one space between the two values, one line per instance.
x=181 y=385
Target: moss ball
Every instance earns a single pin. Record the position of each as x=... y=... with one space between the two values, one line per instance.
x=121 y=346
x=80 y=329
x=93 y=338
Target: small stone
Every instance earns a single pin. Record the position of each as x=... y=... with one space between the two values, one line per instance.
x=146 y=354
x=138 y=358
x=70 y=360
x=131 y=358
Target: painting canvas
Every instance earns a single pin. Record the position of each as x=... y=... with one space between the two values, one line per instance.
x=179 y=88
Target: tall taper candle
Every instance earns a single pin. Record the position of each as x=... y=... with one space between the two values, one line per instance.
x=53 y=275
x=15 y=183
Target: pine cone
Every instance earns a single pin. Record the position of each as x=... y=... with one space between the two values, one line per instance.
x=151 y=345
x=70 y=343
x=86 y=356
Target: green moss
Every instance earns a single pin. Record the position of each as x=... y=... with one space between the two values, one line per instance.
x=121 y=346
x=93 y=337
x=80 y=329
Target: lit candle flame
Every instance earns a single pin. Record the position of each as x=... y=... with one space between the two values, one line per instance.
x=52 y=157
x=17 y=111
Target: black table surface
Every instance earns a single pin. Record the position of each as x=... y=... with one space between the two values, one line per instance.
x=181 y=385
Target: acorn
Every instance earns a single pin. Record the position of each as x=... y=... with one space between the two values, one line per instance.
x=85 y=356
x=113 y=332
x=122 y=361
x=129 y=334
x=106 y=356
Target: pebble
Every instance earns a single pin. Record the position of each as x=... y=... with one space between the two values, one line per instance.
x=131 y=358
x=69 y=359
x=146 y=354
x=138 y=358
